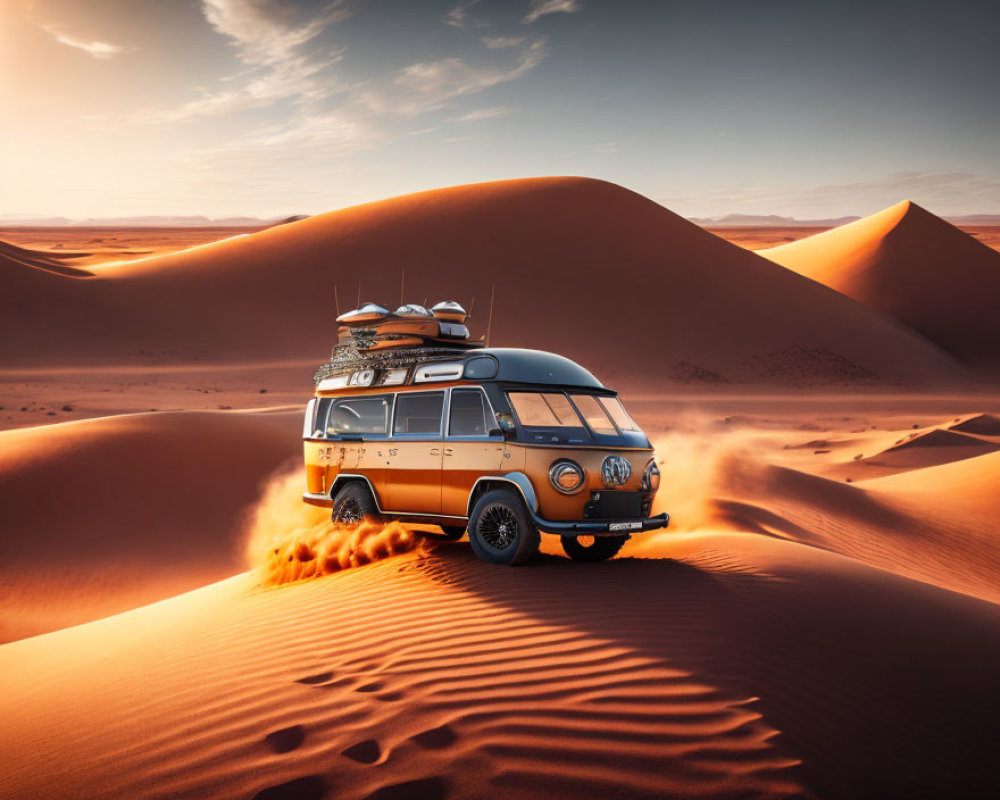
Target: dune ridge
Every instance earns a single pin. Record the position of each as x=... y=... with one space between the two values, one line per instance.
x=916 y=267
x=679 y=293
x=105 y=514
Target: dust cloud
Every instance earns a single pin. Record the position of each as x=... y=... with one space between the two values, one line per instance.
x=288 y=540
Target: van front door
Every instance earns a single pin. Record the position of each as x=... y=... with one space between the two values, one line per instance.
x=469 y=450
x=414 y=453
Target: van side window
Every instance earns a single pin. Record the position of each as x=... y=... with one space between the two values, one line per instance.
x=360 y=415
x=468 y=413
x=418 y=413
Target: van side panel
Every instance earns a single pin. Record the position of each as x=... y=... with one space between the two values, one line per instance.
x=463 y=464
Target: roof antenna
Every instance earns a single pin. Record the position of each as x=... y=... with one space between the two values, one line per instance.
x=402 y=284
x=359 y=294
x=336 y=299
x=472 y=305
x=489 y=324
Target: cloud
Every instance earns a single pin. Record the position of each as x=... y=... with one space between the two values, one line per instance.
x=270 y=37
x=92 y=47
x=539 y=8
x=481 y=114
x=426 y=86
x=265 y=32
x=501 y=42
x=459 y=17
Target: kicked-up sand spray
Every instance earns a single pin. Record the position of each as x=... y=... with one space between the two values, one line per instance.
x=288 y=540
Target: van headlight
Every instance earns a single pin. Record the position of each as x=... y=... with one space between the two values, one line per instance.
x=566 y=476
x=651 y=477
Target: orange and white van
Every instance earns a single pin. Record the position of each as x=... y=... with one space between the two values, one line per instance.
x=503 y=443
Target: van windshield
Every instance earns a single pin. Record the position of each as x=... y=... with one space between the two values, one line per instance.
x=548 y=410
x=575 y=417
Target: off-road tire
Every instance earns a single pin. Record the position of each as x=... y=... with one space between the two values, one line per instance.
x=602 y=548
x=501 y=530
x=452 y=533
x=354 y=503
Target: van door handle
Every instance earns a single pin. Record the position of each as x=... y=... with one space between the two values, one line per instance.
x=435 y=451
x=448 y=451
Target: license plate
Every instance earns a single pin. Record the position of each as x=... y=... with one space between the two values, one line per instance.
x=625 y=526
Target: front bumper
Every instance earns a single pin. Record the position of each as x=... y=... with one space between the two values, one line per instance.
x=600 y=527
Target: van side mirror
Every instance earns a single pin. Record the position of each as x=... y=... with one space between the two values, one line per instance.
x=506 y=425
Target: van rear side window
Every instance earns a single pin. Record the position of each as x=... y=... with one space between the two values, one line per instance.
x=359 y=415
x=418 y=413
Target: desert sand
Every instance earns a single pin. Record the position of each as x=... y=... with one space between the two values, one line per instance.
x=761 y=237
x=915 y=267
x=820 y=620
x=653 y=279
x=84 y=245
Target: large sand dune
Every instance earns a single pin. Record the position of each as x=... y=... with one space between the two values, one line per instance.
x=742 y=667
x=581 y=267
x=914 y=266
x=103 y=515
x=791 y=635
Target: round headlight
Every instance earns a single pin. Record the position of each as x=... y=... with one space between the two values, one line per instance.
x=566 y=476
x=651 y=477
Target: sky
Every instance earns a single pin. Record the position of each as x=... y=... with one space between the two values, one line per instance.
x=277 y=107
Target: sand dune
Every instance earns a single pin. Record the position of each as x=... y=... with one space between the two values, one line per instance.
x=979 y=424
x=439 y=676
x=12 y=257
x=833 y=621
x=103 y=515
x=928 y=449
x=666 y=289
x=913 y=266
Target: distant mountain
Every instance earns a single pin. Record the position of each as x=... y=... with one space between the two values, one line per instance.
x=152 y=221
x=769 y=220
x=975 y=219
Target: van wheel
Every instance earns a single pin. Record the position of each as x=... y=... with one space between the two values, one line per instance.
x=500 y=529
x=452 y=532
x=354 y=503
x=593 y=548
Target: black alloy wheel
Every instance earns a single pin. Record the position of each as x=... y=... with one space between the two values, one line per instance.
x=353 y=503
x=501 y=530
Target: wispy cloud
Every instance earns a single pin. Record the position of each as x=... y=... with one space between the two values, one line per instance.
x=426 y=86
x=481 y=114
x=501 y=42
x=539 y=8
x=265 y=31
x=270 y=38
x=92 y=47
x=459 y=17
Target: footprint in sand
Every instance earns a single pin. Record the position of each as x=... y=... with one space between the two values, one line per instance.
x=369 y=687
x=309 y=787
x=312 y=680
x=436 y=738
x=366 y=752
x=286 y=740
x=389 y=697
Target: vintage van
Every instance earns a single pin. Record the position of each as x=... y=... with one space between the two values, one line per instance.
x=504 y=443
